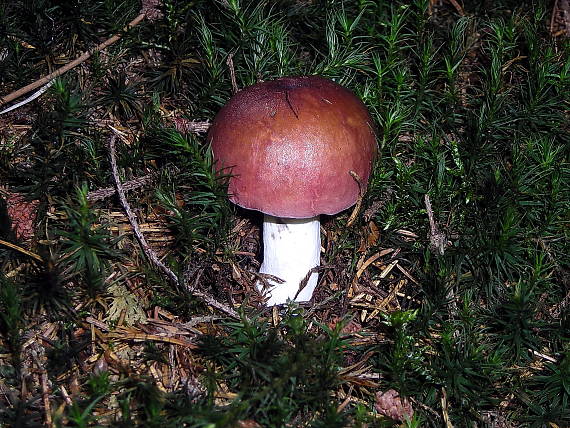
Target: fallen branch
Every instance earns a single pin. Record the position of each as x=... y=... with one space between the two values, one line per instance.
x=101 y=194
x=31 y=98
x=150 y=254
x=84 y=57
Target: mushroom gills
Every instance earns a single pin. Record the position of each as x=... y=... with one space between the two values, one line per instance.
x=291 y=248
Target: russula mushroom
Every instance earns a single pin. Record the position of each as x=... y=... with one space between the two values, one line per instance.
x=293 y=147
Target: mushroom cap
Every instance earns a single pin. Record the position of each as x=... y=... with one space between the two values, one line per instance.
x=290 y=144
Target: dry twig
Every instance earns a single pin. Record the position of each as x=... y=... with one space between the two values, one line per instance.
x=82 y=58
x=44 y=386
x=437 y=239
x=100 y=194
x=150 y=254
x=457 y=7
x=358 y=205
x=31 y=98
x=230 y=63
x=191 y=126
x=21 y=250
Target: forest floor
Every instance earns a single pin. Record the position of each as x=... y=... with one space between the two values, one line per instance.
x=127 y=280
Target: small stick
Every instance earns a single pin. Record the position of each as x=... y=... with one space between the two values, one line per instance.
x=45 y=388
x=193 y=126
x=553 y=16
x=101 y=194
x=432 y=226
x=30 y=98
x=82 y=58
x=444 y=410
x=437 y=239
x=65 y=395
x=457 y=7
x=541 y=355
x=45 y=397
x=21 y=250
x=305 y=280
x=425 y=407
x=150 y=254
x=347 y=400
x=358 y=205
x=230 y=63
x=199 y=320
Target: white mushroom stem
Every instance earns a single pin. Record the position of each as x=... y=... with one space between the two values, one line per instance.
x=292 y=248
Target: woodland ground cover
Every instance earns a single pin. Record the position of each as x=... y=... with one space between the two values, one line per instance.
x=445 y=303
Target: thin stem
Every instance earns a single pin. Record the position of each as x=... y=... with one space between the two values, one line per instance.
x=150 y=254
x=84 y=57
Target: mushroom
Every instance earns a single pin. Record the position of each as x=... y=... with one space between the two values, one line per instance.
x=293 y=147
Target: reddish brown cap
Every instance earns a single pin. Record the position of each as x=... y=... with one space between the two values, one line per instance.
x=290 y=145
